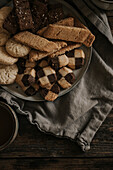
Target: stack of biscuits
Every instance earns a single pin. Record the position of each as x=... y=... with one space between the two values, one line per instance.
x=40 y=48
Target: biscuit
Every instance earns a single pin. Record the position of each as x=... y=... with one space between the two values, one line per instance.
x=8 y=74
x=28 y=90
x=11 y=22
x=90 y=39
x=4 y=36
x=65 y=49
x=4 y=12
x=24 y=63
x=58 y=61
x=35 y=41
x=50 y=94
x=37 y=55
x=5 y=58
x=65 y=77
x=46 y=77
x=64 y=22
x=73 y=34
x=16 y=49
x=76 y=58
x=23 y=12
x=39 y=11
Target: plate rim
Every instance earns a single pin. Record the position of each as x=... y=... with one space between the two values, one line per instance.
x=80 y=77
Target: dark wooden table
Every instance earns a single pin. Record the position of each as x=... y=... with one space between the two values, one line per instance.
x=33 y=149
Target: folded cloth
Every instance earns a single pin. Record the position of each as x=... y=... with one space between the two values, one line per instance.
x=87 y=105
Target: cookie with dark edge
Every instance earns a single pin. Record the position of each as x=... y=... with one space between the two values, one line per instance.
x=11 y=23
x=65 y=77
x=46 y=77
x=23 y=12
x=58 y=61
x=76 y=58
x=50 y=94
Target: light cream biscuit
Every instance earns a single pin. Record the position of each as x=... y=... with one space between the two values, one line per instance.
x=4 y=36
x=8 y=74
x=17 y=49
x=5 y=58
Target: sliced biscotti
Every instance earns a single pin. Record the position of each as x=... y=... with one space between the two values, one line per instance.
x=23 y=12
x=73 y=34
x=35 y=41
x=66 y=22
x=35 y=55
x=65 y=49
x=90 y=39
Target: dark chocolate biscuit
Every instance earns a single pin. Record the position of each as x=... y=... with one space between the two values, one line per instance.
x=11 y=23
x=22 y=9
x=65 y=77
x=46 y=77
x=76 y=58
x=55 y=15
x=39 y=14
x=50 y=94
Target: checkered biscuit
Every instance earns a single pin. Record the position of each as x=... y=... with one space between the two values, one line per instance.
x=23 y=12
x=50 y=94
x=58 y=61
x=35 y=41
x=24 y=63
x=37 y=55
x=28 y=77
x=29 y=90
x=76 y=58
x=43 y=63
x=65 y=77
x=46 y=77
x=65 y=49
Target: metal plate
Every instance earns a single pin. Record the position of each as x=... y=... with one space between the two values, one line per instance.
x=15 y=90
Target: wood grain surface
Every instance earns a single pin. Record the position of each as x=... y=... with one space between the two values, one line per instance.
x=33 y=149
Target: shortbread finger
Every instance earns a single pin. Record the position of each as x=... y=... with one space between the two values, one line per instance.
x=58 y=61
x=65 y=77
x=65 y=49
x=37 y=55
x=50 y=94
x=76 y=58
x=35 y=41
x=64 y=22
x=90 y=39
x=73 y=34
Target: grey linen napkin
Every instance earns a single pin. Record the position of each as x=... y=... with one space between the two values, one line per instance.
x=78 y=114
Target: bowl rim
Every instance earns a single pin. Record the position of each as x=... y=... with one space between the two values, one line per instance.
x=15 y=132
x=105 y=1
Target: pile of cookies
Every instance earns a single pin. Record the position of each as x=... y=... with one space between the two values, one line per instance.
x=39 y=47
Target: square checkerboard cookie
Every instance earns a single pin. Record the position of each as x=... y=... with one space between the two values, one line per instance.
x=58 y=61
x=76 y=58
x=65 y=77
x=46 y=77
x=50 y=94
